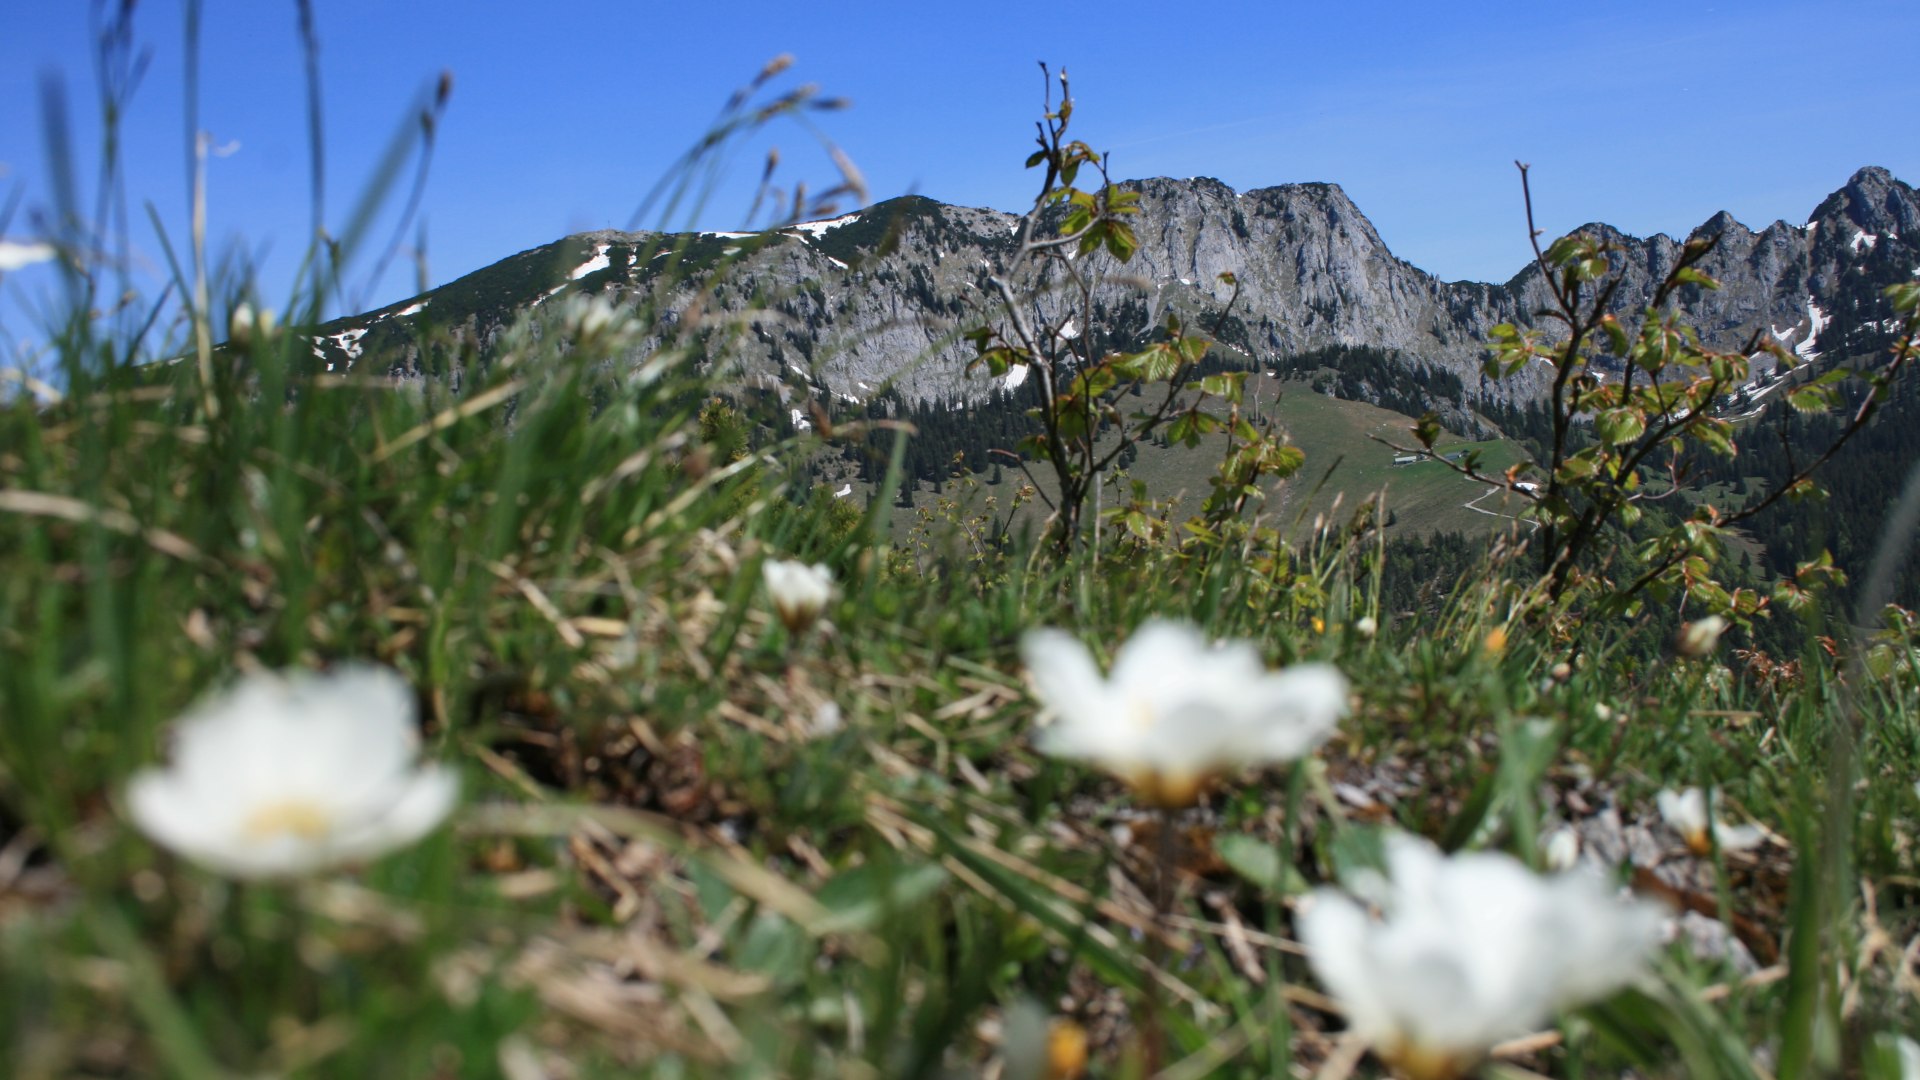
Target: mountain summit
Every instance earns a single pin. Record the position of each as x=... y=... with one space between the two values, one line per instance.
x=876 y=298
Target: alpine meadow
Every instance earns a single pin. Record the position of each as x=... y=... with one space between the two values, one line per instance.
x=1149 y=631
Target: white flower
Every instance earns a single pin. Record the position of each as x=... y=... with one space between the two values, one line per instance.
x=244 y=324
x=593 y=321
x=1700 y=637
x=14 y=255
x=1686 y=812
x=1561 y=848
x=827 y=720
x=1175 y=710
x=799 y=592
x=588 y=315
x=1366 y=626
x=285 y=775
x=1470 y=951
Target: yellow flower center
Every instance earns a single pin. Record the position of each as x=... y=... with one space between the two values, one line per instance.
x=1173 y=789
x=1421 y=1063
x=1167 y=789
x=1066 y=1051
x=294 y=817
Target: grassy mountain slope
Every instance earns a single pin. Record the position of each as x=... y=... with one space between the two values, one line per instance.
x=1346 y=465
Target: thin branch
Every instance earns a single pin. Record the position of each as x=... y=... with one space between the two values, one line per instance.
x=1464 y=470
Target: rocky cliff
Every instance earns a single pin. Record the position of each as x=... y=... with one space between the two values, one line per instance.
x=876 y=298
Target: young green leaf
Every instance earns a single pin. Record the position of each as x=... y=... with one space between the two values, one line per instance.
x=1618 y=426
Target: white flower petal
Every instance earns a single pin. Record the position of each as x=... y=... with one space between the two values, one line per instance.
x=1908 y=1052
x=364 y=729
x=1086 y=720
x=1335 y=932
x=427 y=799
x=1063 y=670
x=1159 y=652
x=1304 y=704
x=1445 y=1004
x=1600 y=955
x=275 y=857
x=169 y=812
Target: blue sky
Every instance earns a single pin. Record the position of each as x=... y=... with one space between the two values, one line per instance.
x=1650 y=116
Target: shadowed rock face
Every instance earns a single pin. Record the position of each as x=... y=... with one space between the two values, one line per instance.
x=1785 y=279
x=877 y=297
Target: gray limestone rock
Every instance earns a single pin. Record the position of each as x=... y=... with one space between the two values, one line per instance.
x=878 y=298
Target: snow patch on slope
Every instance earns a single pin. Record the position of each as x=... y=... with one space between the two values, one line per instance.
x=816 y=229
x=600 y=261
x=1817 y=321
x=349 y=342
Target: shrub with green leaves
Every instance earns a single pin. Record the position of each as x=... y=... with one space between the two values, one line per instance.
x=1056 y=267
x=1617 y=440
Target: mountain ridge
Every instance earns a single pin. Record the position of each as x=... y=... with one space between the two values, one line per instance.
x=876 y=297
